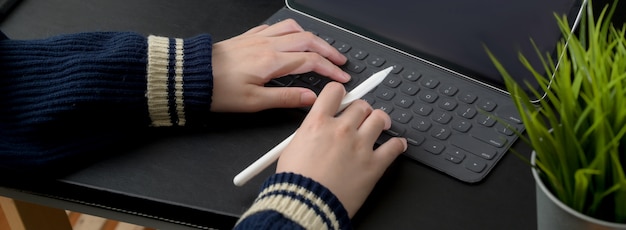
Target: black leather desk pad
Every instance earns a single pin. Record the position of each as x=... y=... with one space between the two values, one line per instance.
x=186 y=174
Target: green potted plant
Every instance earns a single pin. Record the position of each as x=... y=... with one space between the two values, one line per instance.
x=578 y=131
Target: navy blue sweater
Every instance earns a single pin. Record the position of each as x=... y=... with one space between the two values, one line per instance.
x=72 y=94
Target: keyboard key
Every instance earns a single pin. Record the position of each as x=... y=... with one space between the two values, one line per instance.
x=505 y=129
x=477 y=148
x=397 y=68
x=430 y=83
x=385 y=94
x=428 y=96
x=401 y=116
x=392 y=81
x=467 y=112
x=448 y=90
x=355 y=67
x=395 y=130
x=311 y=79
x=433 y=147
x=491 y=138
x=360 y=54
x=376 y=61
x=409 y=89
x=461 y=125
x=515 y=119
x=421 y=124
x=328 y=39
x=411 y=75
x=453 y=159
x=475 y=166
x=342 y=47
x=283 y=81
x=300 y=83
x=353 y=82
x=441 y=117
x=447 y=104
x=441 y=133
x=414 y=138
x=456 y=152
x=468 y=98
x=486 y=120
x=403 y=101
x=487 y=105
x=422 y=109
x=383 y=106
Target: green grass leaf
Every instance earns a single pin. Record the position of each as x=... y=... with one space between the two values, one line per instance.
x=578 y=131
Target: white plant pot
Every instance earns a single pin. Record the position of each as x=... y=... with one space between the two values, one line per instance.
x=552 y=214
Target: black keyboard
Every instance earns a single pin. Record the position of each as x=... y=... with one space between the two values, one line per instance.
x=453 y=124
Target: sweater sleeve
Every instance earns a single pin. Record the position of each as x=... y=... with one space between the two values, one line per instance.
x=75 y=93
x=292 y=201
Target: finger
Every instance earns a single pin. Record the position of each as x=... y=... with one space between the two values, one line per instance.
x=284 y=97
x=374 y=124
x=329 y=99
x=305 y=41
x=356 y=113
x=287 y=26
x=256 y=29
x=386 y=153
x=298 y=63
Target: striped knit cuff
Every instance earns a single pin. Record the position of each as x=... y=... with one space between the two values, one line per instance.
x=179 y=80
x=302 y=200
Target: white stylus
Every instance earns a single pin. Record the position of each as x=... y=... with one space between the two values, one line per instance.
x=272 y=155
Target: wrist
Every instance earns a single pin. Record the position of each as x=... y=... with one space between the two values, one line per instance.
x=179 y=80
x=302 y=200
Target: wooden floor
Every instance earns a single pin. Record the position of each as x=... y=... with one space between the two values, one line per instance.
x=81 y=221
x=3 y=221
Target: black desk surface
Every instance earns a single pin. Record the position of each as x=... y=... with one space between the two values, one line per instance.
x=186 y=175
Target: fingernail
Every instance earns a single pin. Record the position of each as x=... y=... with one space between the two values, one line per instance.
x=346 y=76
x=388 y=123
x=405 y=144
x=307 y=97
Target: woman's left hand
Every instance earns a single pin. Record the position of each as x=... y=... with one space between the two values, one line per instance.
x=242 y=65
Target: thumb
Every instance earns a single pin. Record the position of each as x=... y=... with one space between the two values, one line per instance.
x=287 y=97
x=389 y=151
